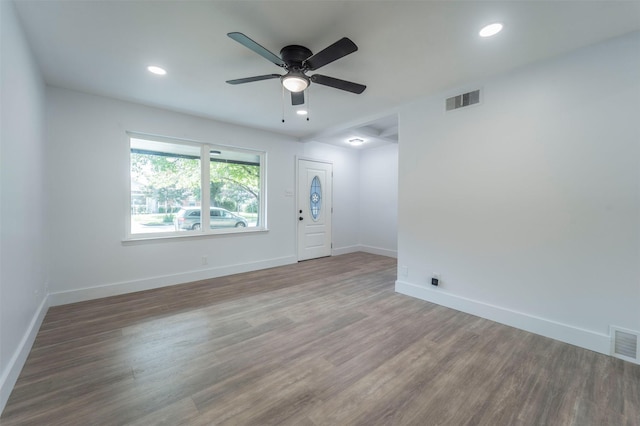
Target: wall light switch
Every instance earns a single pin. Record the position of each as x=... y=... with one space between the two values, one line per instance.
x=404 y=271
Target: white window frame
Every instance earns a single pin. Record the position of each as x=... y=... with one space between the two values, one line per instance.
x=205 y=201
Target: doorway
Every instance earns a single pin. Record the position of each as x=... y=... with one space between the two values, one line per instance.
x=315 y=182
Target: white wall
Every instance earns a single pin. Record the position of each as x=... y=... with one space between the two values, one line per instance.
x=365 y=197
x=378 y=201
x=23 y=209
x=529 y=203
x=88 y=155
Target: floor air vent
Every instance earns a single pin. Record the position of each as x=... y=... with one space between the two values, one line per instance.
x=625 y=344
x=463 y=100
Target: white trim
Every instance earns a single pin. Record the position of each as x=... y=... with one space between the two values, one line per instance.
x=314 y=159
x=10 y=375
x=563 y=332
x=114 y=289
x=367 y=249
x=205 y=182
x=379 y=250
x=160 y=237
x=263 y=215
x=337 y=251
x=195 y=142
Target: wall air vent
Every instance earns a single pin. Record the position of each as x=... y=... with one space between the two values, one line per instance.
x=624 y=344
x=463 y=100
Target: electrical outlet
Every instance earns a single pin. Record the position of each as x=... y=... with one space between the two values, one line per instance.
x=205 y=260
x=435 y=279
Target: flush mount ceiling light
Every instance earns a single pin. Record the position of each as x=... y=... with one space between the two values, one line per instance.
x=295 y=81
x=491 y=30
x=212 y=153
x=355 y=141
x=301 y=112
x=156 y=70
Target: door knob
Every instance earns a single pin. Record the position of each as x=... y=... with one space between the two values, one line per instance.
x=300 y=218
x=300 y=210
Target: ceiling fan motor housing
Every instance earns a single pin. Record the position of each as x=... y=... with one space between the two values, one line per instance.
x=294 y=56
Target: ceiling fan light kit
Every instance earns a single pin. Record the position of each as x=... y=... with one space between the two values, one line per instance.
x=297 y=61
x=295 y=81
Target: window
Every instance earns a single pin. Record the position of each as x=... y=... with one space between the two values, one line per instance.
x=315 y=198
x=167 y=177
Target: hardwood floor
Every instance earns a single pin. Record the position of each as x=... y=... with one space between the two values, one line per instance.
x=322 y=342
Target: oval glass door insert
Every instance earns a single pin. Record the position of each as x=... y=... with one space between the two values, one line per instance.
x=315 y=198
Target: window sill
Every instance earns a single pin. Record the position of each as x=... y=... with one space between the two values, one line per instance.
x=159 y=238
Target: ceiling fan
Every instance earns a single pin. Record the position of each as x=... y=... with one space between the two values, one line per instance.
x=297 y=60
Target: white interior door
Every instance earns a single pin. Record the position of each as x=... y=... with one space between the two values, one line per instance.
x=314 y=209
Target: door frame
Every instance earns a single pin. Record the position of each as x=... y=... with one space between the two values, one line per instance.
x=298 y=158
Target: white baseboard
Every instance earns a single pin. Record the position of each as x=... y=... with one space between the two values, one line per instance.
x=565 y=333
x=367 y=249
x=10 y=375
x=380 y=251
x=90 y=293
x=345 y=250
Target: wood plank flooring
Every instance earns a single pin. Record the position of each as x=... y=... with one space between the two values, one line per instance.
x=322 y=342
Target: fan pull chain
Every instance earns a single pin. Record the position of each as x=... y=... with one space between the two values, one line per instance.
x=308 y=103
x=282 y=103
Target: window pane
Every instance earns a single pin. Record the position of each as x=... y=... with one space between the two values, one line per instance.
x=235 y=187
x=315 y=198
x=165 y=179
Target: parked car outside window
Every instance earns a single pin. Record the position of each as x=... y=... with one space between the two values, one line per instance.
x=188 y=219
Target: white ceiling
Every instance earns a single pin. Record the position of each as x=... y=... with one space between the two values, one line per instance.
x=407 y=50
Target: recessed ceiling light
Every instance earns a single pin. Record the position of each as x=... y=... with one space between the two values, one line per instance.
x=355 y=141
x=491 y=30
x=156 y=70
x=301 y=112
